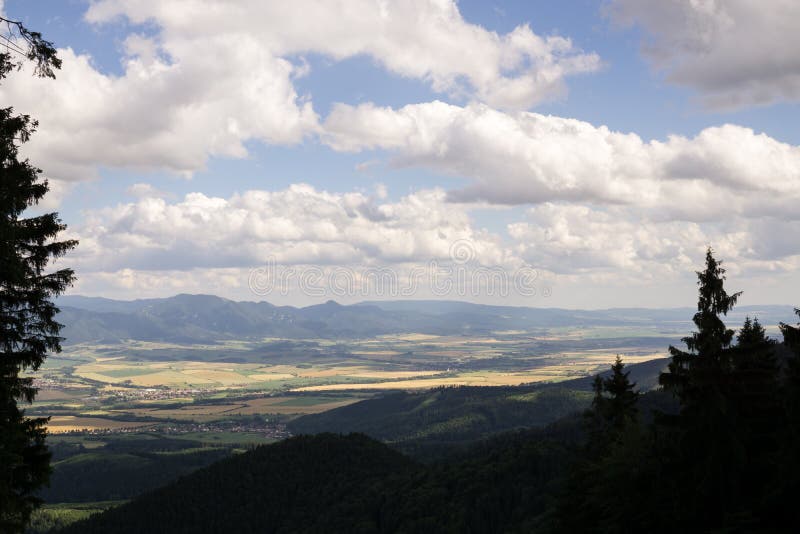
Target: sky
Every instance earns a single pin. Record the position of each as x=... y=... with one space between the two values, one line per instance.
x=578 y=154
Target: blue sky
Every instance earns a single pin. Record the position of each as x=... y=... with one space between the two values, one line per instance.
x=603 y=144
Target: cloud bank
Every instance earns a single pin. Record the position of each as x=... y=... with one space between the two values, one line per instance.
x=302 y=225
x=527 y=157
x=298 y=225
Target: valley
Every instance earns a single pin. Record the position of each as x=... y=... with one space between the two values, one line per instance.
x=132 y=409
x=119 y=387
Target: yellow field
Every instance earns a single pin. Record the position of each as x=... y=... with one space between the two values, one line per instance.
x=481 y=379
x=272 y=405
x=165 y=374
x=576 y=365
x=227 y=375
x=68 y=423
x=189 y=413
x=259 y=406
x=391 y=374
x=208 y=374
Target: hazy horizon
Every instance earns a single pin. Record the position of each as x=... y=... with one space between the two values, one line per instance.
x=410 y=301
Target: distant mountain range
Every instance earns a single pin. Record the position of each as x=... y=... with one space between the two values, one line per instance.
x=204 y=318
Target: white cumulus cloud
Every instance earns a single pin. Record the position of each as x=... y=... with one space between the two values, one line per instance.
x=524 y=157
x=216 y=74
x=298 y=225
x=423 y=39
x=161 y=247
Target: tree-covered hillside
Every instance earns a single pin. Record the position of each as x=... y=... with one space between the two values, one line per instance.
x=304 y=484
x=123 y=468
x=331 y=483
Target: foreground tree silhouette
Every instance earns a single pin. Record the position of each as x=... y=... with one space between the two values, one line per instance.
x=727 y=460
x=694 y=372
x=28 y=330
x=708 y=450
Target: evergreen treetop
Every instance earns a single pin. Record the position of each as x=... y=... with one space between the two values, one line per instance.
x=708 y=346
x=615 y=397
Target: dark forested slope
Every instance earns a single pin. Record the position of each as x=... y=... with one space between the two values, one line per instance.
x=332 y=483
x=304 y=484
x=124 y=468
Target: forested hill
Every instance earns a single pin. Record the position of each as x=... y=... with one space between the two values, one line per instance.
x=331 y=483
x=304 y=484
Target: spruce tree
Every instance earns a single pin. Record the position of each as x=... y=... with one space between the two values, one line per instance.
x=708 y=453
x=614 y=403
x=692 y=371
x=28 y=329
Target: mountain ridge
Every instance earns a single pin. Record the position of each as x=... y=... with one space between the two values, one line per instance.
x=187 y=318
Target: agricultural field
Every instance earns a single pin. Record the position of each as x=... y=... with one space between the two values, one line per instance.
x=278 y=405
x=138 y=386
x=70 y=423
